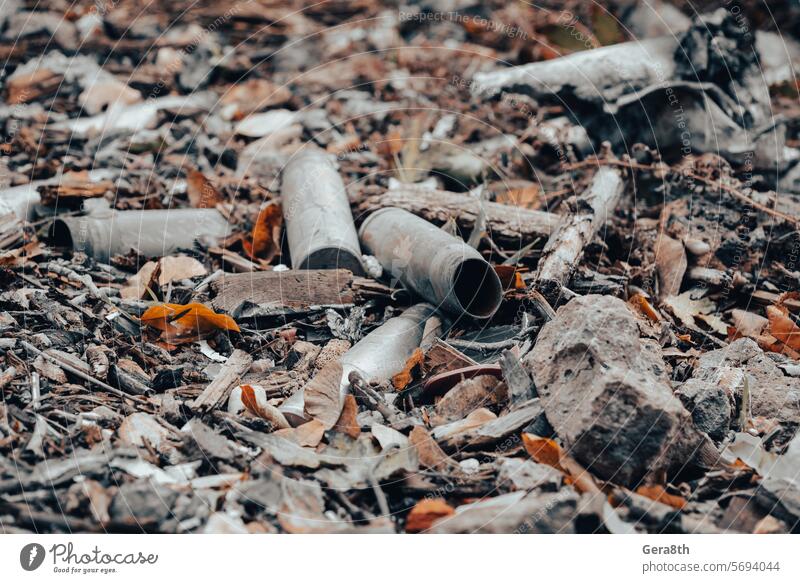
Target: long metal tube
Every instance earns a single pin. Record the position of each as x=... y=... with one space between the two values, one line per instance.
x=319 y=224
x=153 y=233
x=439 y=267
x=378 y=356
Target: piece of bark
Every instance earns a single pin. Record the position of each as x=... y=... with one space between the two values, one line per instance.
x=606 y=393
x=441 y=357
x=282 y=291
x=218 y=390
x=503 y=430
x=467 y=396
x=508 y=224
x=519 y=382
x=565 y=246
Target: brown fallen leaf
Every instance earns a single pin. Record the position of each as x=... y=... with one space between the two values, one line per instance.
x=202 y=194
x=430 y=454
x=146 y=277
x=659 y=494
x=186 y=323
x=414 y=363
x=347 y=423
x=671 y=266
x=265 y=240
x=747 y=324
x=426 y=512
x=322 y=394
x=255 y=400
x=548 y=452
x=178 y=267
x=781 y=325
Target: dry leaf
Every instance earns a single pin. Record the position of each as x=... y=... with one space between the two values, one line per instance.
x=401 y=380
x=430 y=454
x=645 y=307
x=136 y=289
x=186 y=323
x=202 y=194
x=265 y=241
x=546 y=451
x=659 y=494
x=528 y=197
x=671 y=266
x=255 y=400
x=322 y=394
x=347 y=422
x=426 y=512
x=781 y=325
x=176 y=268
x=510 y=277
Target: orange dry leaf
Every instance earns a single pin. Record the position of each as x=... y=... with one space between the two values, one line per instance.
x=543 y=450
x=646 y=307
x=528 y=197
x=186 y=323
x=784 y=333
x=659 y=494
x=265 y=242
x=347 y=422
x=202 y=194
x=426 y=512
x=510 y=277
x=548 y=452
x=400 y=380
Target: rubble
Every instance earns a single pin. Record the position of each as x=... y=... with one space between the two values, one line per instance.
x=605 y=392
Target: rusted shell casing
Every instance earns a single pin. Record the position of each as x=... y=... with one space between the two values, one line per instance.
x=439 y=267
x=153 y=233
x=380 y=355
x=316 y=210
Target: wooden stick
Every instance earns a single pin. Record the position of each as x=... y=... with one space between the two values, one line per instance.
x=217 y=390
x=563 y=250
x=514 y=225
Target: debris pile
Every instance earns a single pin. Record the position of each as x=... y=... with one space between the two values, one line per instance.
x=365 y=267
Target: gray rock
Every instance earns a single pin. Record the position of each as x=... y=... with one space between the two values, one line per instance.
x=606 y=394
x=717 y=385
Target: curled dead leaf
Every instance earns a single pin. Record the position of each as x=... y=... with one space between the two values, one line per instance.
x=186 y=323
x=659 y=494
x=202 y=194
x=548 y=452
x=265 y=240
x=426 y=512
x=401 y=380
x=254 y=398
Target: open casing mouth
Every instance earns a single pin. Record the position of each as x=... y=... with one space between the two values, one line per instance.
x=439 y=267
x=477 y=288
